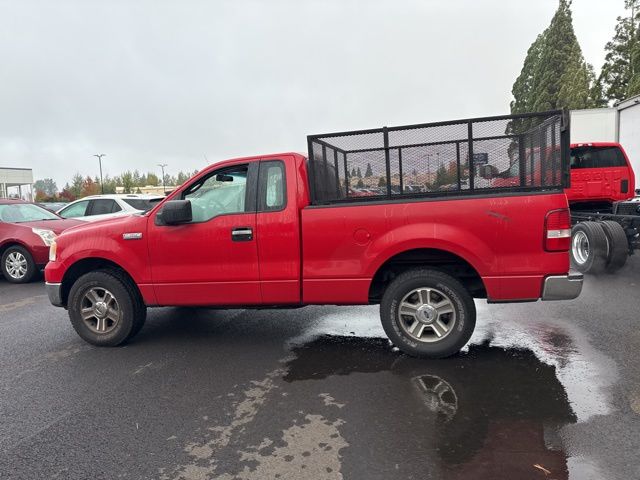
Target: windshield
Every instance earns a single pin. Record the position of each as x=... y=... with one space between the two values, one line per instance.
x=24 y=212
x=142 y=203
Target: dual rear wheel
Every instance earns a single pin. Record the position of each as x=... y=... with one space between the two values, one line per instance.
x=598 y=247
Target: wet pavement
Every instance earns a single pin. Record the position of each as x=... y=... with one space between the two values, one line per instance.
x=543 y=391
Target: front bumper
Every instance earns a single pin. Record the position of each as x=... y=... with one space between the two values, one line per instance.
x=562 y=287
x=54 y=292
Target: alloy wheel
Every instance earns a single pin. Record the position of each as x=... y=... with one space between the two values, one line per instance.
x=16 y=265
x=427 y=314
x=100 y=310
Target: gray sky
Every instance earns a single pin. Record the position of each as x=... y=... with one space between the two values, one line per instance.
x=150 y=82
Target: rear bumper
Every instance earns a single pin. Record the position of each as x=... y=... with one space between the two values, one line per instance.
x=562 y=287
x=54 y=292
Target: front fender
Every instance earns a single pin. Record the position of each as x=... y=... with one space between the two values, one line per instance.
x=104 y=240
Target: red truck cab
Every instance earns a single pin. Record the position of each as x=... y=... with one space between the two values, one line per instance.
x=600 y=172
x=260 y=231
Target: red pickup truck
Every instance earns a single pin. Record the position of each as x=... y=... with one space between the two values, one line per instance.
x=284 y=230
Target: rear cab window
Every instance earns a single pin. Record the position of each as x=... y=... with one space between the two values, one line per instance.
x=597 y=157
x=272 y=186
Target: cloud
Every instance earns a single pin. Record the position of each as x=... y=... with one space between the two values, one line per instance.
x=150 y=82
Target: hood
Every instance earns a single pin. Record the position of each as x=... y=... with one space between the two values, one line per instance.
x=108 y=226
x=58 y=225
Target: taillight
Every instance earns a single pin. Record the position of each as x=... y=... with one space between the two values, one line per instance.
x=557 y=231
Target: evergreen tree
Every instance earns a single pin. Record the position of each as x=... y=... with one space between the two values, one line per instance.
x=523 y=87
x=634 y=79
x=359 y=173
x=353 y=172
x=89 y=187
x=76 y=185
x=441 y=177
x=368 y=172
x=127 y=182
x=182 y=177
x=47 y=186
x=617 y=69
x=555 y=74
x=382 y=182
x=152 y=179
x=109 y=184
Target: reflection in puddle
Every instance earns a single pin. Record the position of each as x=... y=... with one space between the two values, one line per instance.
x=438 y=395
x=488 y=413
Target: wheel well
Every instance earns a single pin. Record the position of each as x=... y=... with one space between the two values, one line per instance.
x=438 y=259
x=87 y=265
x=10 y=244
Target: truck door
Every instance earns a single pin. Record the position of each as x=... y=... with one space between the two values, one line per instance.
x=214 y=259
x=278 y=231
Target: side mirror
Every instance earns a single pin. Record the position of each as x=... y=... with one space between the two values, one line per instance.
x=175 y=212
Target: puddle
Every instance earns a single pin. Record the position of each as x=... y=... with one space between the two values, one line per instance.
x=585 y=373
x=488 y=413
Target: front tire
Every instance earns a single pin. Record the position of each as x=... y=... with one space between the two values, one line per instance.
x=105 y=308
x=427 y=313
x=18 y=265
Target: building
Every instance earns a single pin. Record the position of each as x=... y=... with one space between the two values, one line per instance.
x=14 y=182
x=149 y=189
x=620 y=123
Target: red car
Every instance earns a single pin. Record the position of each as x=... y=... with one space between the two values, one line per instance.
x=26 y=232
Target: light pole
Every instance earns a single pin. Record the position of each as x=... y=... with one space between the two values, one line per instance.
x=100 y=155
x=162 y=165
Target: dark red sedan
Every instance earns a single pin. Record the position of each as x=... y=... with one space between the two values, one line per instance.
x=26 y=231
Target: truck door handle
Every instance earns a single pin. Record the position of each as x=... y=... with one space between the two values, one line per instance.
x=242 y=234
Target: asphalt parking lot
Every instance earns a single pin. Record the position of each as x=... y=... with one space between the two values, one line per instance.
x=543 y=391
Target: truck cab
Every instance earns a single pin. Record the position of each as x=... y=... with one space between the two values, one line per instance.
x=600 y=172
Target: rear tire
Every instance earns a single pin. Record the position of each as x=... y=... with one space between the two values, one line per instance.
x=589 y=248
x=18 y=265
x=427 y=313
x=618 y=245
x=105 y=308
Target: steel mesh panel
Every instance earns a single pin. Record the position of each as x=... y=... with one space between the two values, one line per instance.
x=367 y=173
x=428 y=134
x=488 y=154
x=357 y=141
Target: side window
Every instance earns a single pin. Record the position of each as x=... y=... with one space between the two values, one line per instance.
x=104 y=206
x=221 y=193
x=272 y=187
x=76 y=210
